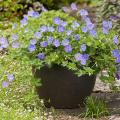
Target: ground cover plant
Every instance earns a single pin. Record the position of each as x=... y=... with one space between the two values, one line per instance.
x=95 y=108
x=110 y=9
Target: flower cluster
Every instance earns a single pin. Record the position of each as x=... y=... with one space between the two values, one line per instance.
x=107 y=25
x=3 y=43
x=60 y=26
x=10 y=78
x=53 y=37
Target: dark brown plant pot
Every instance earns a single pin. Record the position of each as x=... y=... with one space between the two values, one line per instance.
x=61 y=88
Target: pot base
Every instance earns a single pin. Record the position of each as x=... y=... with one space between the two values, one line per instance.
x=61 y=88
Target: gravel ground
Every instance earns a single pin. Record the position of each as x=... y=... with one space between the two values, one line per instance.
x=113 y=104
x=104 y=87
x=101 y=90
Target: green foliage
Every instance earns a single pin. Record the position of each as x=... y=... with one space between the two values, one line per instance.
x=95 y=108
x=19 y=101
x=9 y=9
x=98 y=48
x=53 y=4
x=21 y=90
x=89 y=2
x=19 y=114
x=12 y=9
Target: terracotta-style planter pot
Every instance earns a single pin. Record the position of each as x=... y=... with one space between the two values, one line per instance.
x=61 y=88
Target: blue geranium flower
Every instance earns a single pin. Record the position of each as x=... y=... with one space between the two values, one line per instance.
x=110 y=24
x=5 y=45
x=14 y=26
x=32 y=13
x=37 y=35
x=69 y=32
x=115 y=53
x=78 y=57
x=83 y=47
x=90 y=25
x=93 y=33
x=63 y=23
x=75 y=24
x=84 y=29
x=50 y=39
x=105 y=31
x=43 y=44
x=57 y=20
x=5 y=84
x=107 y=24
x=56 y=43
x=43 y=28
x=35 y=14
x=41 y=56
x=68 y=48
x=82 y=58
x=86 y=19
x=14 y=37
x=3 y=42
x=73 y=6
x=83 y=12
x=10 y=77
x=115 y=39
x=118 y=59
x=77 y=37
x=65 y=9
x=83 y=62
x=15 y=44
x=50 y=29
x=113 y=17
x=65 y=42
x=23 y=22
x=117 y=75
x=33 y=41
x=31 y=48
x=85 y=56
x=60 y=28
